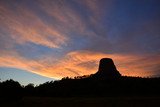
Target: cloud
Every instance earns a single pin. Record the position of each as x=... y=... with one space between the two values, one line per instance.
x=67 y=18
x=74 y=35
x=80 y=63
x=28 y=27
x=54 y=24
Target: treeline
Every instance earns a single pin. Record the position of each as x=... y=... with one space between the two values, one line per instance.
x=84 y=86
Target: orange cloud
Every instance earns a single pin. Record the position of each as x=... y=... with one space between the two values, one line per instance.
x=83 y=63
x=86 y=62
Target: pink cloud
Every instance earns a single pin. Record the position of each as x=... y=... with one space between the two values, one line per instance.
x=27 y=27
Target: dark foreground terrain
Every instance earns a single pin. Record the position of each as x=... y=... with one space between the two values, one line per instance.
x=83 y=102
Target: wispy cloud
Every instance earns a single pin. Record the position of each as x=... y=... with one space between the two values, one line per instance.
x=84 y=63
x=27 y=27
x=77 y=34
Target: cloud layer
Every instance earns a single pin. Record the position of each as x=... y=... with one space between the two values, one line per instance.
x=68 y=38
x=83 y=63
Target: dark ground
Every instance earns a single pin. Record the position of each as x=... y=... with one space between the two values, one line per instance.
x=83 y=102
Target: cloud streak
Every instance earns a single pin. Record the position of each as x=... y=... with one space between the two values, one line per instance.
x=68 y=38
x=80 y=63
x=27 y=27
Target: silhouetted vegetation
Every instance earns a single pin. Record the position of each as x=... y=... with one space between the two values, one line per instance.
x=11 y=89
x=89 y=86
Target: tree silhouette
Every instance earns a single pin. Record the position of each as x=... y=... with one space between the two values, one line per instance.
x=11 y=89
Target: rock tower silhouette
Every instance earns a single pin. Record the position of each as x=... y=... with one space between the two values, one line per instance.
x=107 y=69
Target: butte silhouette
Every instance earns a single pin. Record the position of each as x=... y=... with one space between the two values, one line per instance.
x=107 y=69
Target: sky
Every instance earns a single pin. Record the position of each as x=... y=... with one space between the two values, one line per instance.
x=43 y=40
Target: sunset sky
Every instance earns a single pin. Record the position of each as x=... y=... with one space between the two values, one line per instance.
x=43 y=40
